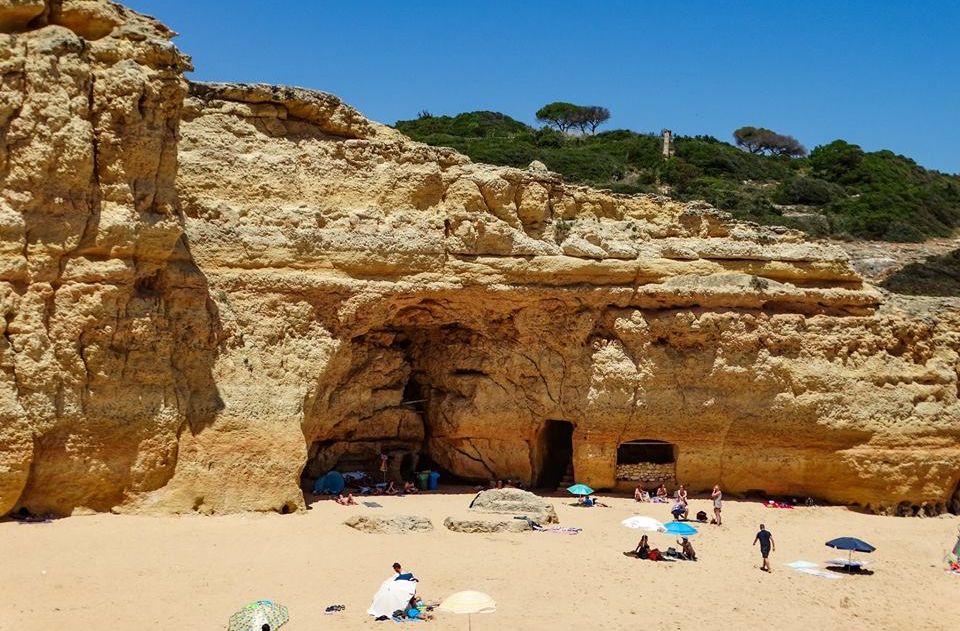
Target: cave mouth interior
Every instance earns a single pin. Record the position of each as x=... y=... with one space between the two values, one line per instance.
x=556 y=452
x=397 y=364
x=646 y=452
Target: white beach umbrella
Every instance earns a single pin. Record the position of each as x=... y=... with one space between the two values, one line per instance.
x=640 y=522
x=468 y=602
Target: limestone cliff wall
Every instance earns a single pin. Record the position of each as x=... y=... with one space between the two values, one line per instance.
x=208 y=288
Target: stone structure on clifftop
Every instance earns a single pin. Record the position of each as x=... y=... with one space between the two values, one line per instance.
x=205 y=287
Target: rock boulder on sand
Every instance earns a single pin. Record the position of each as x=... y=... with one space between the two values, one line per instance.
x=473 y=526
x=515 y=502
x=389 y=525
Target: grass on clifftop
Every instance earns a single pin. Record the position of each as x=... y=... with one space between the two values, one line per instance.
x=839 y=190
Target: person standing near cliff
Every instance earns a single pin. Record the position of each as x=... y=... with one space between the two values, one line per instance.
x=766 y=544
x=717 y=498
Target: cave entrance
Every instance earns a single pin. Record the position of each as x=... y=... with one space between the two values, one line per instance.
x=649 y=463
x=556 y=449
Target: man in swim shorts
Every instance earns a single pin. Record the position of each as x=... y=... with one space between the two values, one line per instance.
x=766 y=544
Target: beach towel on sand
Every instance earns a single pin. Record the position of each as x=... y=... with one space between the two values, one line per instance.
x=563 y=530
x=802 y=565
x=820 y=573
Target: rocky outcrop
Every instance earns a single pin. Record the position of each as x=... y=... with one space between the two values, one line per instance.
x=515 y=502
x=474 y=526
x=204 y=285
x=392 y=525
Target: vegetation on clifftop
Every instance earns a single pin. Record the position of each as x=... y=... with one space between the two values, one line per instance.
x=838 y=190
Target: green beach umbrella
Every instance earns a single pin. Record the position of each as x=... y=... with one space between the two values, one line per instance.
x=580 y=489
x=254 y=616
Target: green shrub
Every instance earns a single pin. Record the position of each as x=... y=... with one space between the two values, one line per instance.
x=876 y=195
x=811 y=191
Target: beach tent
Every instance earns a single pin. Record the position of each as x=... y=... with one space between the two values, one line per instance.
x=332 y=483
x=392 y=595
x=953 y=558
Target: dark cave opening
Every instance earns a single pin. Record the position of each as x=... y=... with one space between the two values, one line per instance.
x=556 y=449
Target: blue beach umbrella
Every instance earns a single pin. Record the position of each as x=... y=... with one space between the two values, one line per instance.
x=850 y=543
x=680 y=529
x=580 y=489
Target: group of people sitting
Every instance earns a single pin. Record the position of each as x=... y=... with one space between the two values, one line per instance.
x=590 y=501
x=379 y=489
x=660 y=496
x=504 y=484
x=644 y=551
x=681 y=506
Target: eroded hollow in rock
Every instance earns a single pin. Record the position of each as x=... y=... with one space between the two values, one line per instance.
x=646 y=462
x=389 y=399
x=444 y=386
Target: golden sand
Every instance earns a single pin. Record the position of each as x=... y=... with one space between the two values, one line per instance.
x=192 y=572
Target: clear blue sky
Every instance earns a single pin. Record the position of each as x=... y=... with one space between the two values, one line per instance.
x=880 y=73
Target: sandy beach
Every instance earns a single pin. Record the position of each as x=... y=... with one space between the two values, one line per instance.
x=191 y=572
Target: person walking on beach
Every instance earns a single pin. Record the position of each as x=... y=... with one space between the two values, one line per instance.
x=717 y=498
x=766 y=544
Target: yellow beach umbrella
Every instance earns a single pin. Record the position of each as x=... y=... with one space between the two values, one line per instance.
x=468 y=602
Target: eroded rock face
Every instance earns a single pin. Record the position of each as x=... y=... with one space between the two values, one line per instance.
x=205 y=285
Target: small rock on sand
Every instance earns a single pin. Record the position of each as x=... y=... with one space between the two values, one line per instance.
x=389 y=525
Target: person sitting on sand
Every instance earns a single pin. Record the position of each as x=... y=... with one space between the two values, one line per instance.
x=687 y=548
x=643 y=548
x=640 y=495
x=679 y=511
x=587 y=501
x=346 y=501
x=401 y=575
x=662 y=494
x=682 y=495
x=409 y=487
x=391 y=489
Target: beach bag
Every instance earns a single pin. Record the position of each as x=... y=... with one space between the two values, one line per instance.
x=654 y=555
x=702 y=516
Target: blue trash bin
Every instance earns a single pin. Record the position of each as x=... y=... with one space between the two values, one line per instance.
x=434 y=480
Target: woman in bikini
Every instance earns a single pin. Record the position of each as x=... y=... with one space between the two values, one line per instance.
x=643 y=548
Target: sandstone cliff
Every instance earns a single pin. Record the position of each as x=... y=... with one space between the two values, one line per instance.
x=209 y=287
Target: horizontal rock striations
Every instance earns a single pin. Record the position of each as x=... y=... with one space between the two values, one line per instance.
x=206 y=286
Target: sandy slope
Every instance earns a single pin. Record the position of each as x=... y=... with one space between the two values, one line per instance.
x=131 y=573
